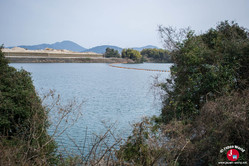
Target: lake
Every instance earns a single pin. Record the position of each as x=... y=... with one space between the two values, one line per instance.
x=110 y=95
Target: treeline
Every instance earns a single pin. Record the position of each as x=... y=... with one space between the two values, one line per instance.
x=132 y=54
x=126 y=53
x=146 y=55
x=111 y=53
x=156 y=55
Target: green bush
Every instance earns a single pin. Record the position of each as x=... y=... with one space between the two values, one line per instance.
x=221 y=123
x=132 y=54
x=111 y=53
x=206 y=104
x=207 y=94
x=23 y=120
x=206 y=66
x=157 y=55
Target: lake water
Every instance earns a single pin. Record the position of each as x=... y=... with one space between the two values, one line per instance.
x=110 y=95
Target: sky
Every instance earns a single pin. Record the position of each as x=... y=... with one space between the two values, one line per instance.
x=123 y=23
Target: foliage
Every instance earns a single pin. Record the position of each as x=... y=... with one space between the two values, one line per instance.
x=111 y=53
x=157 y=55
x=206 y=66
x=136 y=149
x=132 y=54
x=222 y=122
x=172 y=38
x=206 y=101
x=23 y=120
x=209 y=82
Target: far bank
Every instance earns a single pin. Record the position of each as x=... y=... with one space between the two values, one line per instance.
x=29 y=59
x=19 y=55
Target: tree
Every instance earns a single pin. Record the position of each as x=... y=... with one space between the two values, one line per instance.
x=111 y=53
x=157 y=55
x=206 y=102
x=209 y=82
x=132 y=54
x=206 y=66
x=23 y=120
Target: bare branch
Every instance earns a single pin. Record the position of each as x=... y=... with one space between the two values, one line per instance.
x=172 y=37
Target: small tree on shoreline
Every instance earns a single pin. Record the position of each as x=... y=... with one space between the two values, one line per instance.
x=132 y=54
x=109 y=53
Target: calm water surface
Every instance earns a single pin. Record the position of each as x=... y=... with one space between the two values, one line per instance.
x=110 y=95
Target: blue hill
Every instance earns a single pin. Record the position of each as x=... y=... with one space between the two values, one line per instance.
x=68 y=45
x=141 y=48
x=101 y=49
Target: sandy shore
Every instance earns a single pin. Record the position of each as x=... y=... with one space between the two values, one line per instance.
x=48 y=52
x=21 y=55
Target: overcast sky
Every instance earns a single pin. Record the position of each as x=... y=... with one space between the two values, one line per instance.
x=124 y=23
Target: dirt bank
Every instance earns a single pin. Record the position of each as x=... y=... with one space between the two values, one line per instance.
x=27 y=59
x=20 y=55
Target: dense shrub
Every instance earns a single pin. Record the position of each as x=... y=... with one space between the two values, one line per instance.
x=206 y=107
x=206 y=66
x=23 y=120
x=222 y=122
x=132 y=54
x=206 y=104
x=109 y=52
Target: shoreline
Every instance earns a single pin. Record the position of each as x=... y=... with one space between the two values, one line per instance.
x=27 y=59
x=55 y=56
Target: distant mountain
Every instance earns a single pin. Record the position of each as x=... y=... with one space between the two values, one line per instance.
x=141 y=48
x=68 y=45
x=101 y=49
